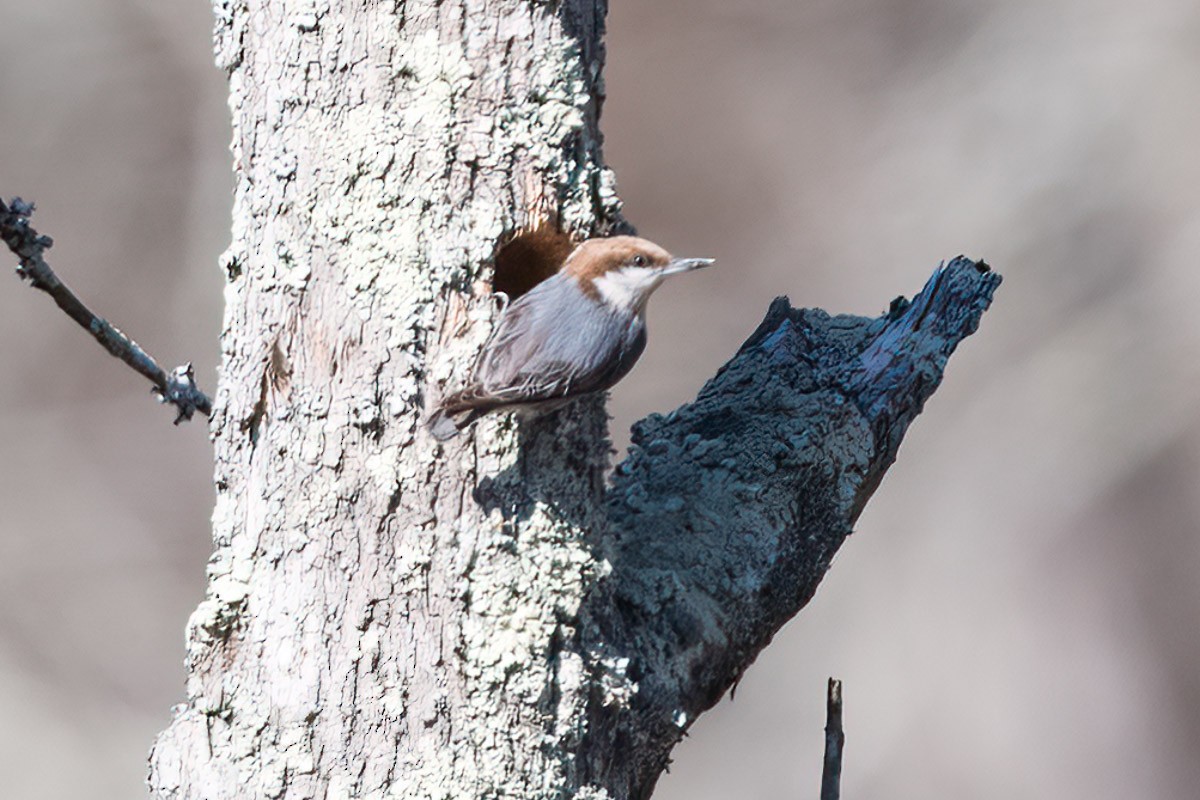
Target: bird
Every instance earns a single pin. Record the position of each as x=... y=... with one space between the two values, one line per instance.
x=576 y=333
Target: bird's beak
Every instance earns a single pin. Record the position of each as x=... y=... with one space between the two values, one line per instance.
x=685 y=265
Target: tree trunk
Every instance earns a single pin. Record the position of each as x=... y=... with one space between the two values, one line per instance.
x=392 y=617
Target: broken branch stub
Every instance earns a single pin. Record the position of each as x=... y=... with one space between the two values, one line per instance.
x=727 y=512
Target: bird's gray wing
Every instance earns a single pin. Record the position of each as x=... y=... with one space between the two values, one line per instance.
x=553 y=343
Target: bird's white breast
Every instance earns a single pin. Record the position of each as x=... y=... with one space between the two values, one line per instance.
x=627 y=287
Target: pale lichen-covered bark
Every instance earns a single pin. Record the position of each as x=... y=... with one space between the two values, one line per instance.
x=391 y=617
x=371 y=626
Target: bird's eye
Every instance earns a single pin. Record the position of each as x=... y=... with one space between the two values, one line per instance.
x=639 y=261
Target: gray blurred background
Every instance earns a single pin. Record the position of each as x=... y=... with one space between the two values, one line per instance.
x=1017 y=613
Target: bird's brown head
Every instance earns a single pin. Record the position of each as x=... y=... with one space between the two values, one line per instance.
x=623 y=271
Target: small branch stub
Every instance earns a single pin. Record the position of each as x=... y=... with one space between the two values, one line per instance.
x=177 y=387
x=835 y=738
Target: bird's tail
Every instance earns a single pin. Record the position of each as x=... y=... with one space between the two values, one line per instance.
x=457 y=412
x=444 y=424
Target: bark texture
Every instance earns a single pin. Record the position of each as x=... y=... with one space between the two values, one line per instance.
x=391 y=617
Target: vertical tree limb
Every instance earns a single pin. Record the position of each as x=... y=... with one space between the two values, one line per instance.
x=388 y=616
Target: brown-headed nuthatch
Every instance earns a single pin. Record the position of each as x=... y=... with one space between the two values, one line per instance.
x=577 y=332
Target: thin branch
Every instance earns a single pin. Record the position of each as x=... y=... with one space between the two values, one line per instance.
x=177 y=387
x=835 y=738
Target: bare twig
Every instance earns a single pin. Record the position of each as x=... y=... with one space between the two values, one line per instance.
x=835 y=737
x=177 y=387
